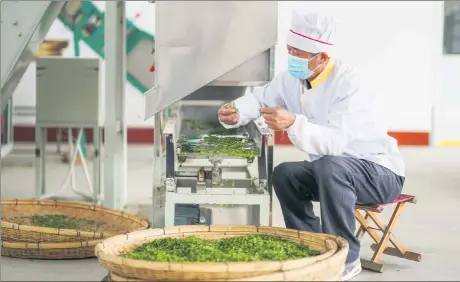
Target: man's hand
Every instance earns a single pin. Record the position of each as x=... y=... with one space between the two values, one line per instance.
x=229 y=115
x=277 y=118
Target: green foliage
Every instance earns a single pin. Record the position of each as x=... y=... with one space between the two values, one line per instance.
x=236 y=249
x=219 y=146
x=57 y=221
x=234 y=107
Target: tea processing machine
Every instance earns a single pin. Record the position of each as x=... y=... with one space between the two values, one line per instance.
x=206 y=54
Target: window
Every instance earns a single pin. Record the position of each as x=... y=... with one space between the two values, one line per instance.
x=452 y=27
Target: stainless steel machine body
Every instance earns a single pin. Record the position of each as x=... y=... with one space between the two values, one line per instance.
x=68 y=96
x=206 y=54
x=24 y=26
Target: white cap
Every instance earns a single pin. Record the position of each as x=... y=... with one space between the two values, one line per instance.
x=311 y=32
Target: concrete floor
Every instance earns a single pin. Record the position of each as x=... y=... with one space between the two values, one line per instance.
x=432 y=227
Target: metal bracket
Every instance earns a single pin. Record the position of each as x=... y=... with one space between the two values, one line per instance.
x=170 y=185
x=262 y=127
x=262 y=185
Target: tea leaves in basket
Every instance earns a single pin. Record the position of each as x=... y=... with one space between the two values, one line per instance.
x=57 y=221
x=233 y=249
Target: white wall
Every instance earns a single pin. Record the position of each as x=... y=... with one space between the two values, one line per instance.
x=447 y=104
x=396 y=44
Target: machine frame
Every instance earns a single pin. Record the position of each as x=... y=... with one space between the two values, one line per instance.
x=177 y=181
x=198 y=65
x=7 y=138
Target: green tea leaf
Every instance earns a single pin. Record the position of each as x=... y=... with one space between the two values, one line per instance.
x=235 y=249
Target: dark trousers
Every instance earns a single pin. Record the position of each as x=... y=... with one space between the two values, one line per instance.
x=338 y=183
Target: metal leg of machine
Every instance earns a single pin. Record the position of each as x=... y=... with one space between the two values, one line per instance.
x=97 y=164
x=94 y=190
x=270 y=149
x=58 y=140
x=40 y=161
x=115 y=150
x=6 y=128
x=158 y=179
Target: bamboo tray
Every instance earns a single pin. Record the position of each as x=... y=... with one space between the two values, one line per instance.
x=330 y=262
x=315 y=272
x=61 y=250
x=112 y=222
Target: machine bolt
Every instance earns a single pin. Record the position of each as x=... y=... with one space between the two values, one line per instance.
x=15 y=22
x=19 y=34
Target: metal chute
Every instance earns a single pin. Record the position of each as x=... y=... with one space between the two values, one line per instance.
x=199 y=43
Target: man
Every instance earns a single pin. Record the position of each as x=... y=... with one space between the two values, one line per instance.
x=328 y=113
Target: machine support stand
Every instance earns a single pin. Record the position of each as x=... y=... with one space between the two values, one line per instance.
x=159 y=181
x=97 y=163
x=115 y=153
x=79 y=85
x=40 y=161
x=270 y=145
x=70 y=180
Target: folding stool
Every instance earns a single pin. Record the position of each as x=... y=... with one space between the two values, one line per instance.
x=380 y=246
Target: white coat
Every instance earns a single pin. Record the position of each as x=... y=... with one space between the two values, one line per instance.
x=339 y=116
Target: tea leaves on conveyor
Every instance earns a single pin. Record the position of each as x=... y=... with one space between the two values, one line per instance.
x=235 y=249
x=218 y=146
x=210 y=139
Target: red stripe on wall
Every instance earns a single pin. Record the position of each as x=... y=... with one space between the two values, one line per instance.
x=404 y=138
x=411 y=138
x=26 y=133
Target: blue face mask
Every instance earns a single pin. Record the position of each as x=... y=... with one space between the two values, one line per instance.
x=298 y=67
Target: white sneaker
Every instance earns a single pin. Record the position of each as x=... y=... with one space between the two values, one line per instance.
x=352 y=269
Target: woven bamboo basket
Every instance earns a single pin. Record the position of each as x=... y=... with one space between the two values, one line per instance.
x=61 y=250
x=325 y=266
x=111 y=222
x=314 y=272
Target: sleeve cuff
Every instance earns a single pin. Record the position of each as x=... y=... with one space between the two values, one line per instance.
x=226 y=126
x=294 y=128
